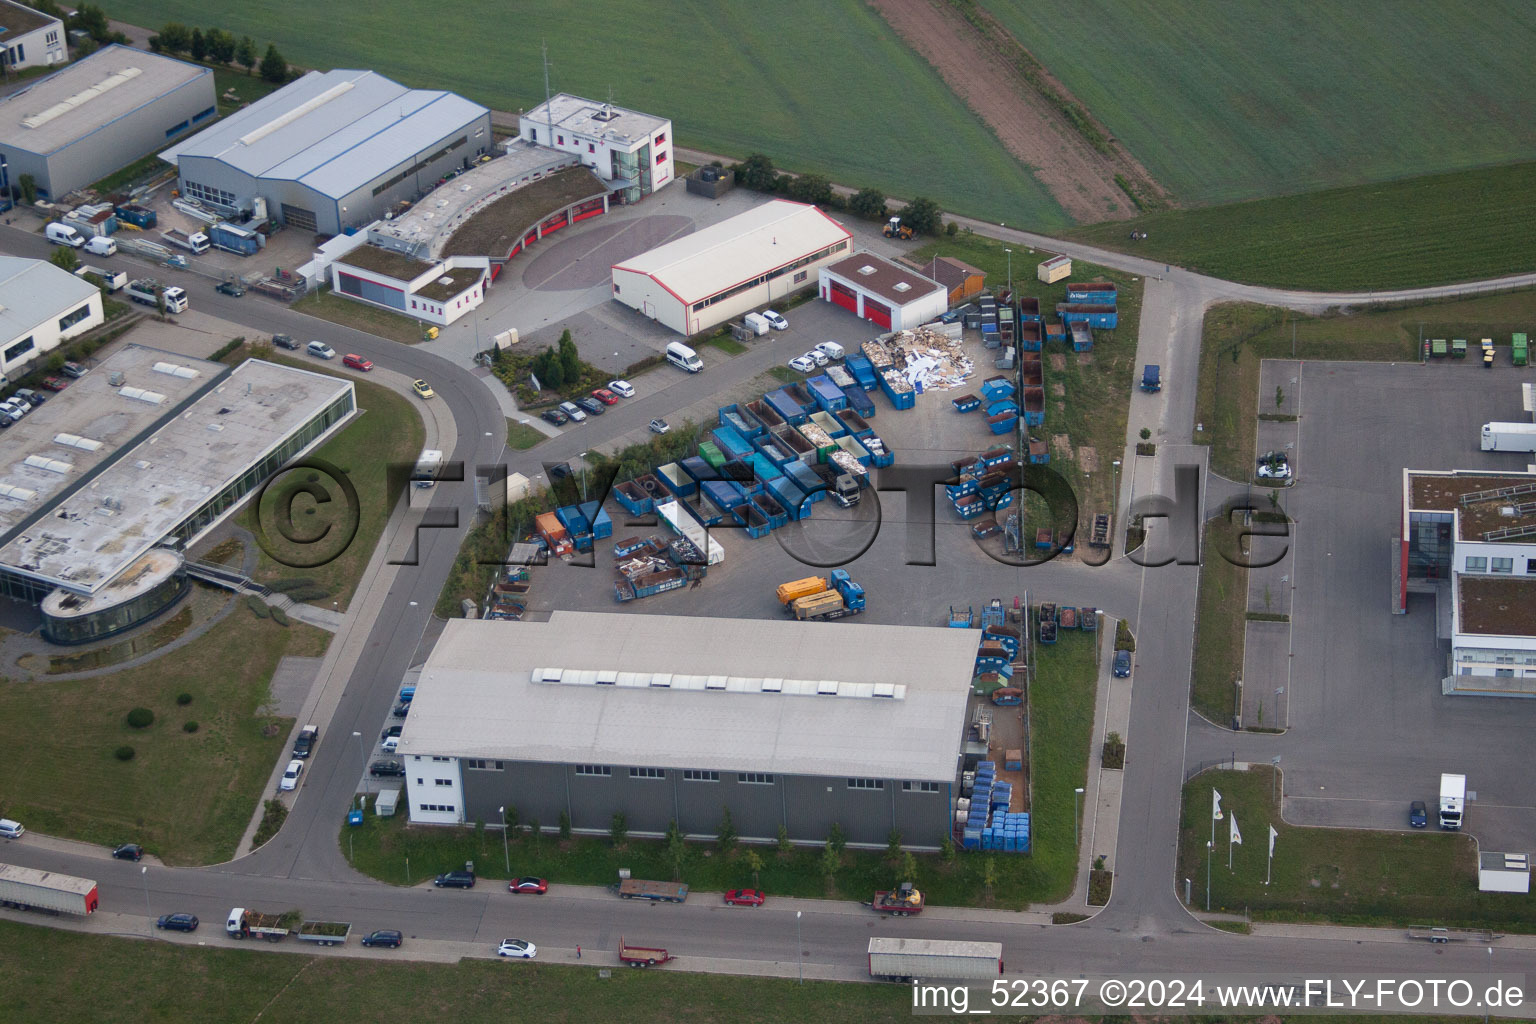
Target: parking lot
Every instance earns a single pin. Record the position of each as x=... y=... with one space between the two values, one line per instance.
x=914 y=567
x=1369 y=730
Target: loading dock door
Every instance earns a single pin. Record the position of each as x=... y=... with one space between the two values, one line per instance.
x=877 y=313
x=842 y=295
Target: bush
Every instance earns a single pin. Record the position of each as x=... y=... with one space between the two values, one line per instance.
x=279 y=616
x=141 y=718
x=257 y=606
x=1114 y=751
x=226 y=349
x=272 y=820
x=183 y=699
x=189 y=727
x=123 y=753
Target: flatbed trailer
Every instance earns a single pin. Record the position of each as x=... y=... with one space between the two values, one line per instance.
x=903 y=902
x=642 y=956
x=659 y=892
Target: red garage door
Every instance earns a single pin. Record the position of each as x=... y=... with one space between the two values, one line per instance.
x=877 y=313
x=843 y=296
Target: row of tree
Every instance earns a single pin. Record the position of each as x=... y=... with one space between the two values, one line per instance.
x=86 y=18
x=757 y=172
x=216 y=46
x=558 y=366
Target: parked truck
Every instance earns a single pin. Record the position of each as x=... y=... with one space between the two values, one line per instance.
x=428 y=465
x=845 y=490
x=238 y=240
x=920 y=959
x=1453 y=801
x=30 y=889
x=901 y=902
x=657 y=892
x=642 y=956
x=197 y=242
x=253 y=924
x=148 y=291
x=324 y=933
x=788 y=592
x=842 y=597
x=1509 y=437
x=111 y=280
x=1151 y=377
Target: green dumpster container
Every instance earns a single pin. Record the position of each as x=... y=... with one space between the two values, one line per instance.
x=1459 y=348
x=1517 y=350
x=1437 y=348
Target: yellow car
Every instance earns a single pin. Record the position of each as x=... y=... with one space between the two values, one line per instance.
x=422 y=388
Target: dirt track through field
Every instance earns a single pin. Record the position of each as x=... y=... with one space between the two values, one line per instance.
x=1080 y=179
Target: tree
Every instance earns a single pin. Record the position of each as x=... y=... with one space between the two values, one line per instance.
x=810 y=188
x=535 y=830
x=988 y=873
x=480 y=833
x=28 y=186
x=754 y=865
x=570 y=358
x=618 y=828
x=197 y=46
x=836 y=839
x=893 y=843
x=64 y=258
x=756 y=172
x=923 y=216
x=94 y=20
x=245 y=53
x=85 y=47
x=221 y=45
x=175 y=37
x=908 y=867
x=565 y=825
x=830 y=862
x=868 y=203
x=273 y=67
x=677 y=850
x=947 y=849
x=784 y=844
x=727 y=831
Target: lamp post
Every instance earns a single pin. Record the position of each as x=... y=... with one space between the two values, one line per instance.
x=144 y=876
x=362 y=752
x=799 y=954
x=1114 y=483
x=1010 y=268
x=1274 y=778
x=583 y=458
x=1209 y=846
x=505 y=852
x=1076 y=796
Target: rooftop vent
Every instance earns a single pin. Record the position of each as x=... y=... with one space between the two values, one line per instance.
x=175 y=370
x=63 y=107
x=85 y=444
x=902 y=286
x=17 y=493
x=294 y=114
x=141 y=395
x=51 y=465
x=867 y=269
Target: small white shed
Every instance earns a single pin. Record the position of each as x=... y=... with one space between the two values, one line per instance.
x=388 y=799
x=1504 y=872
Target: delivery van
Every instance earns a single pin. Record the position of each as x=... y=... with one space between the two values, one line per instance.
x=63 y=234
x=682 y=356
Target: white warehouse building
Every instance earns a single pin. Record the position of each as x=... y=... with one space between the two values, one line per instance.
x=629 y=150
x=41 y=307
x=732 y=267
x=875 y=289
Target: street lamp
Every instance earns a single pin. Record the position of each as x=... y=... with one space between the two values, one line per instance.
x=1010 y=268
x=1114 y=483
x=1279 y=692
x=363 y=751
x=505 y=852
x=1209 y=846
x=799 y=954
x=1274 y=776
x=1076 y=796
x=583 y=458
x=144 y=876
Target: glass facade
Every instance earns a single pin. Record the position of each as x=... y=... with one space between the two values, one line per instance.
x=80 y=629
x=1430 y=545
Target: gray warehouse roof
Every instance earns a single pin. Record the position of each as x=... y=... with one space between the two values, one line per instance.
x=478 y=697
x=333 y=131
x=86 y=95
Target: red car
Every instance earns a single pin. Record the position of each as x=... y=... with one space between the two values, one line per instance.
x=537 y=886
x=745 y=897
x=605 y=396
x=55 y=383
x=356 y=362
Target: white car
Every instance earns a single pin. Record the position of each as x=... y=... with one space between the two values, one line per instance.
x=804 y=364
x=11 y=829
x=573 y=410
x=660 y=426
x=390 y=745
x=291 y=776
x=818 y=357
x=520 y=949
x=1274 y=466
x=622 y=388
x=775 y=321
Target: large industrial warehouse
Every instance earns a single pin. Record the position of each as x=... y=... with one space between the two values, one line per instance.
x=98 y=115
x=793 y=724
x=729 y=268
x=331 y=151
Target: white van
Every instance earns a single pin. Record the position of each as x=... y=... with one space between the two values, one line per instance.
x=63 y=234
x=101 y=245
x=683 y=357
x=831 y=349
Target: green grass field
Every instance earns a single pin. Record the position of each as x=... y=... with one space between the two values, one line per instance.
x=820 y=88
x=1348 y=876
x=1246 y=99
x=1444 y=228
x=186 y=797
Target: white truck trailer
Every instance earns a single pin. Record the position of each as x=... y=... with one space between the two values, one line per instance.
x=1453 y=801
x=48 y=891
x=111 y=280
x=919 y=959
x=1509 y=437
x=148 y=292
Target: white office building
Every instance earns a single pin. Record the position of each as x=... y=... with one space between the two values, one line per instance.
x=629 y=150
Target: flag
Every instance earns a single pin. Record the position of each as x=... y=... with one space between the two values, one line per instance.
x=1235 y=836
x=1215 y=806
x=1273 y=835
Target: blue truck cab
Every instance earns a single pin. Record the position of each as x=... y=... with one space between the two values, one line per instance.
x=1151 y=378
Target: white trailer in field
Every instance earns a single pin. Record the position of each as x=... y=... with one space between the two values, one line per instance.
x=49 y=891
x=908 y=959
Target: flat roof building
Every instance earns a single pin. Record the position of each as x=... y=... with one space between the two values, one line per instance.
x=99 y=115
x=41 y=307
x=798 y=724
x=629 y=150
x=103 y=485
x=29 y=38
x=729 y=268
x=432 y=291
x=333 y=150
x=886 y=294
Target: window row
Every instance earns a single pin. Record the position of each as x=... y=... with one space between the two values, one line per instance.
x=208 y=194
x=761 y=279
x=486 y=766
x=437 y=807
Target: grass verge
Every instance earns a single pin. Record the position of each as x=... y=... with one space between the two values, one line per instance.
x=727 y=344
x=247 y=88
x=388 y=430
x=326 y=305
x=271 y=822
x=60 y=976
x=1465 y=226
x=187 y=797
x=1062 y=718
x=1220 y=625
x=1087 y=394
x=522 y=436
x=1348 y=876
